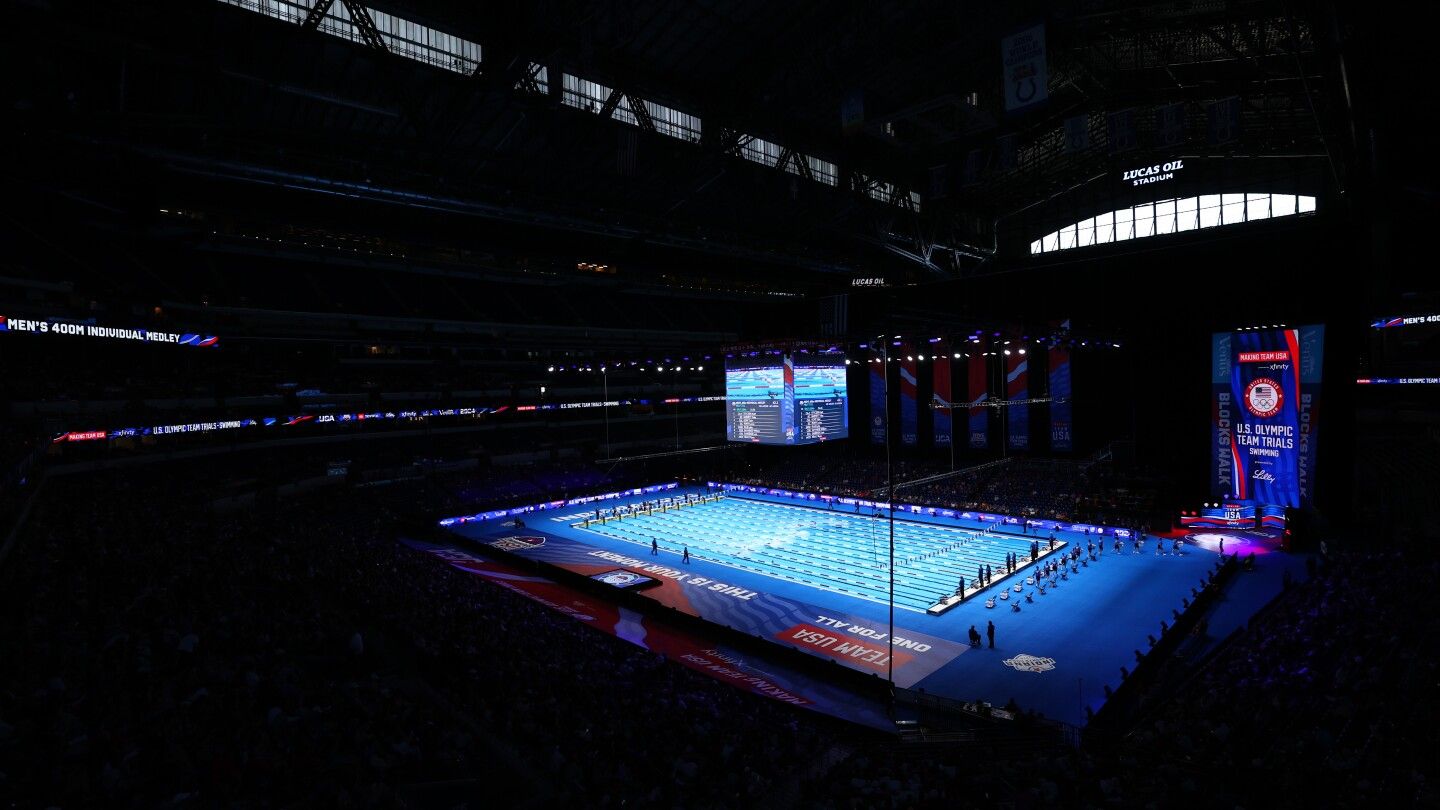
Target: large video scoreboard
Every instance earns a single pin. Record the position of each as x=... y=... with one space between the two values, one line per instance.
x=786 y=399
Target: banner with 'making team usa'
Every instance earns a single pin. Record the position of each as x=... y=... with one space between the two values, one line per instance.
x=1261 y=379
x=877 y=403
x=1017 y=386
x=1060 y=390
x=978 y=397
x=941 y=399
x=909 y=411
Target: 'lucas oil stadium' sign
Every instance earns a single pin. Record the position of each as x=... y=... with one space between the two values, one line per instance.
x=1146 y=175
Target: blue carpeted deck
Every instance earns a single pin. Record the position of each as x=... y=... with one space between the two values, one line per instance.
x=1089 y=626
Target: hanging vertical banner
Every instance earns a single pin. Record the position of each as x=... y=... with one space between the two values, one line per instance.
x=1017 y=386
x=1260 y=443
x=1312 y=361
x=1120 y=131
x=941 y=400
x=1060 y=411
x=1077 y=133
x=877 y=403
x=1170 y=124
x=909 y=411
x=852 y=112
x=1005 y=148
x=1223 y=453
x=974 y=165
x=979 y=396
x=1022 y=55
x=939 y=184
x=1223 y=120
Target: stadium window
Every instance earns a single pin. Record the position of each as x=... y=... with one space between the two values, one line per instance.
x=823 y=170
x=1067 y=237
x=583 y=94
x=1144 y=220
x=1105 y=228
x=674 y=123
x=1209 y=210
x=760 y=151
x=1232 y=209
x=401 y=36
x=1172 y=216
x=1164 y=217
x=1185 y=214
x=1124 y=224
x=1257 y=206
x=590 y=96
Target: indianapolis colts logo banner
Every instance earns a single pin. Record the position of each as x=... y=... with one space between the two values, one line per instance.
x=909 y=392
x=940 y=398
x=1060 y=388
x=1265 y=390
x=978 y=395
x=877 y=403
x=1017 y=386
x=1025 y=76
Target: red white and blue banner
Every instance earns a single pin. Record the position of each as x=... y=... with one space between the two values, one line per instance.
x=1227 y=515
x=1017 y=386
x=979 y=395
x=1061 y=414
x=1258 y=390
x=877 y=403
x=941 y=399
x=909 y=393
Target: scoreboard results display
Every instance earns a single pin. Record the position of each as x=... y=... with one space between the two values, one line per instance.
x=754 y=400
x=786 y=399
x=821 y=403
x=1265 y=396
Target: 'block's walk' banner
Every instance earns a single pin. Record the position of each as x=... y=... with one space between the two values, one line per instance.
x=1312 y=361
x=941 y=398
x=1060 y=390
x=1017 y=386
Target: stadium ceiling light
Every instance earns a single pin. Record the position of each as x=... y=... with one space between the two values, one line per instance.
x=551 y=368
x=847 y=361
x=1007 y=352
x=702 y=368
x=1022 y=351
x=957 y=355
x=909 y=358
